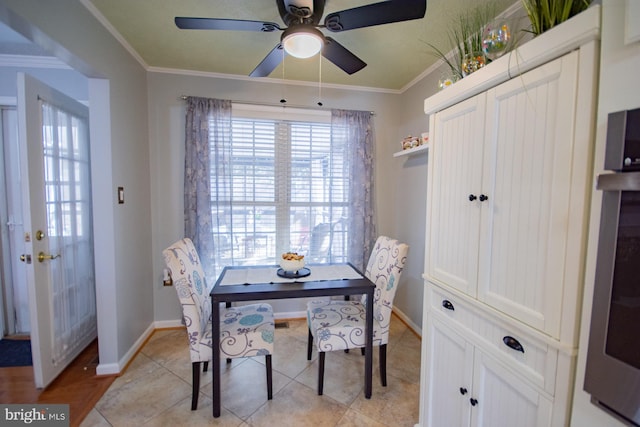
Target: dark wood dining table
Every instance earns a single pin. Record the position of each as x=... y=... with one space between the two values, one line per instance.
x=283 y=289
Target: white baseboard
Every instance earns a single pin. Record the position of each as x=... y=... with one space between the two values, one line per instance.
x=415 y=328
x=165 y=324
x=291 y=315
x=117 y=368
x=108 y=369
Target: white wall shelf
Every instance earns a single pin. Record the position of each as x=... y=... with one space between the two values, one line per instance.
x=419 y=149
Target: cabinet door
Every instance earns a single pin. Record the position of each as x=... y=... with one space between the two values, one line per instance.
x=502 y=399
x=449 y=375
x=527 y=176
x=454 y=176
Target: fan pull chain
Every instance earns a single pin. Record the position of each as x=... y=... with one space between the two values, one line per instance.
x=283 y=99
x=319 y=80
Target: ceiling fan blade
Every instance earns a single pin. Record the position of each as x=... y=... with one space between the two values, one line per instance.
x=270 y=62
x=380 y=13
x=224 y=24
x=341 y=56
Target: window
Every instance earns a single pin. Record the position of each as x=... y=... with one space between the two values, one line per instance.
x=285 y=189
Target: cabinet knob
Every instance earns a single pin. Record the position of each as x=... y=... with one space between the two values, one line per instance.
x=483 y=197
x=463 y=391
x=447 y=304
x=472 y=197
x=512 y=343
x=473 y=401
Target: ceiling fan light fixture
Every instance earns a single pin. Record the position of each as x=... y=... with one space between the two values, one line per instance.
x=302 y=41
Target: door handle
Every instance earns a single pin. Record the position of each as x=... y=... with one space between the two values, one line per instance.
x=42 y=256
x=513 y=343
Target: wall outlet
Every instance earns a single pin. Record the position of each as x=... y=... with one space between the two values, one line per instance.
x=167 y=280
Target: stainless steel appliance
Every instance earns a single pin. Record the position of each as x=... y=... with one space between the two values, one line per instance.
x=613 y=360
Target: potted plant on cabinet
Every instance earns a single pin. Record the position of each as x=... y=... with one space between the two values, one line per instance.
x=545 y=14
x=465 y=36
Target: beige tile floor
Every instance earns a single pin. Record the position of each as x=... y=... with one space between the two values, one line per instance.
x=155 y=390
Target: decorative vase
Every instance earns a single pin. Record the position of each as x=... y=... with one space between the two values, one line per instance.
x=447 y=80
x=472 y=62
x=495 y=39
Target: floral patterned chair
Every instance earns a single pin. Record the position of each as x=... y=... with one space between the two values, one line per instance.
x=340 y=325
x=245 y=331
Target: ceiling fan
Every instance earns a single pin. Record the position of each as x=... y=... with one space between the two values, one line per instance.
x=302 y=37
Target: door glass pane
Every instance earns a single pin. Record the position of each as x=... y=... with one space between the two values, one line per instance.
x=68 y=206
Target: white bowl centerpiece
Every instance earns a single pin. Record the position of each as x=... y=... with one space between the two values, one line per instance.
x=292 y=262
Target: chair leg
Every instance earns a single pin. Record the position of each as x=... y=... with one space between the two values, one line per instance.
x=309 y=345
x=320 y=372
x=383 y=364
x=206 y=366
x=269 y=377
x=195 y=371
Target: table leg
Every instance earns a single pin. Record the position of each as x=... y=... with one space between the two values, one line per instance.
x=368 y=361
x=215 y=350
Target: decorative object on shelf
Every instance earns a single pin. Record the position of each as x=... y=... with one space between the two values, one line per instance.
x=545 y=14
x=447 y=80
x=496 y=39
x=410 y=142
x=424 y=138
x=465 y=37
x=472 y=62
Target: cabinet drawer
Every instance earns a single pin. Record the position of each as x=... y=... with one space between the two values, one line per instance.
x=525 y=355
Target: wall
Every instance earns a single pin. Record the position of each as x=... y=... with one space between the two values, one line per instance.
x=120 y=157
x=619 y=90
x=411 y=176
x=166 y=124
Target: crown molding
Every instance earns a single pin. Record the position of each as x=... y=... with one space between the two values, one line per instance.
x=32 y=61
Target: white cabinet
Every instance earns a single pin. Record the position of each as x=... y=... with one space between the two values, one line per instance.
x=468 y=387
x=509 y=181
x=501 y=193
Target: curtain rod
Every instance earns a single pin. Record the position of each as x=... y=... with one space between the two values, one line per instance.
x=282 y=104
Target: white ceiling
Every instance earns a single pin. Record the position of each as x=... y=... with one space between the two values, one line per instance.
x=397 y=54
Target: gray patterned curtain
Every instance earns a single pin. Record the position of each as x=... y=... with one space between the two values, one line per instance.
x=360 y=145
x=207 y=119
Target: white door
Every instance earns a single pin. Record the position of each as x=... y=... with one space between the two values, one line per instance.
x=55 y=164
x=455 y=192
x=528 y=177
x=502 y=399
x=449 y=376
